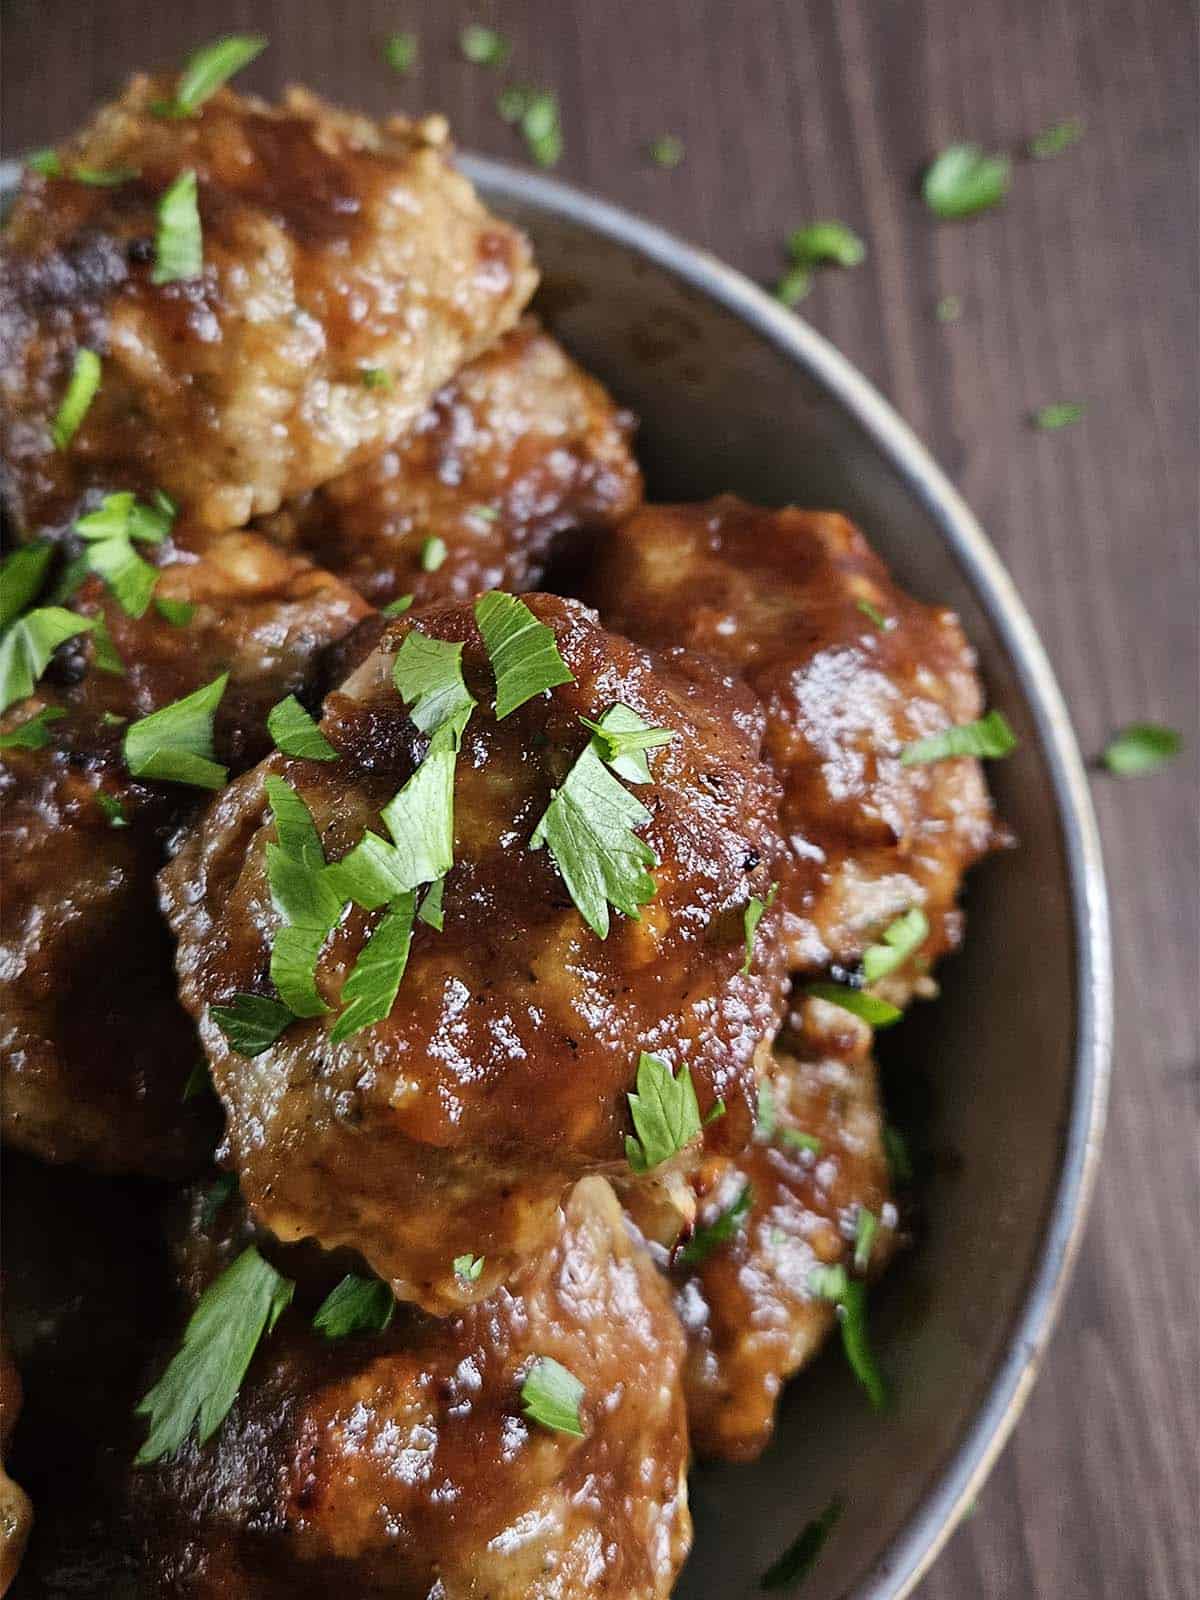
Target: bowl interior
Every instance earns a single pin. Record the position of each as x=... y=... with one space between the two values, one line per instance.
x=987 y=1079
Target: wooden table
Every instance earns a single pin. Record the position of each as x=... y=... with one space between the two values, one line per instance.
x=1082 y=287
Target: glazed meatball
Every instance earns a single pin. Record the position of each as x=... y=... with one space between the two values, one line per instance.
x=520 y=461
x=779 y=597
x=16 y=1512
x=95 y=1051
x=749 y=1308
x=500 y=1075
x=348 y=271
x=401 y=1463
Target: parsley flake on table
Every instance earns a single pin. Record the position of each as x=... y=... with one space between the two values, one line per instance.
x=400 y=51
x=34 y=732
x=428 y=677
x=178 y=243
x=535 y=113
x=81 y=391
x=296 y=733
x=222 y=1334
x=712 y=1235
x=1052 y=141
x=1141 y=748
x=965 y=180
x=821 y=243
x=948 y=308
x=209 y=69
x=110 y=534
x=850 y=1297
x=899 y=941
x=797 y=1561
x=793 y=286
x=483 y=47
x=522 y=650
x=370 y=991
x=988 y=739
x=667 y=150
x=895 y=1149
x=1048 y=419
x=552 y=1395
x=27 y=645
x=22 y=574
x=751 y=918
x=879 y=1013
x=356 y=1305
x=666 y=1114
x=622 y=739
x=175 y=743
x=468 y=1268
x=794 y=1139
x=252 y=1023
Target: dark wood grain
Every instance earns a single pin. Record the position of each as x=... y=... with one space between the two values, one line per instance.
x=1083 y=286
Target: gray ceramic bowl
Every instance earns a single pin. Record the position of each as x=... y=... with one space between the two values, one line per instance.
x=1007 y=1074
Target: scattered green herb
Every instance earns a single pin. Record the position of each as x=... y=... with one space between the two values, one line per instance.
x=110 y=533
x=198 y=1081
x=826 y=242
x=989 y=738
x=879 y=1013
x=902 y=939
x=895 y=1148
x=375 y=377
x=356 y=1305
x=751 y=918
x=622 y=739
x=468 y=1268
x=178 y=613
x=218 y=1197
x=1050 y=418
x=965 y=180
x=522 y=650
x=793 y=286
x=370 y=991
x=400 y=51
x=430 y=911
x=101 y=178
x=396 y=607
x=835 y=1284
x=552 y=1395
x=865 y=1229
x=22 y=575
x=667 y=150
x=209 y=69
x=305 y=896
x=433 y=554
x=948 y=308
x=178 y=244
x=484 y=47
x=34 y=732
x=726 y=1227
x=81 y=391
x=27 y=645
x=175 y=743
x=797 y=1561
x=793 y=1139
x=1142 y=747
x=45 y=162
x=1052 y=141
x=666 y=1114
x=112 y=809
x=252 y=1022
x=296 y=733
x=873 y=614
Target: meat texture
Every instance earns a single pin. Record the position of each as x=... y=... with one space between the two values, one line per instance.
x=95 y=1051
x=348 y=271
x=16 y=1511
x=519 y=462
x=779 y=597
x=500 y=1075
x=400 y=1463
x=749 y=1307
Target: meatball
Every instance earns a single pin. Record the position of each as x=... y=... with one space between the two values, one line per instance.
x=16 y=1512
x=95 y=1049
x=748 y=1306
x=401 y=1463
x=850 y=671
x=454 y=1124
x=520 y=461
x=348 y=271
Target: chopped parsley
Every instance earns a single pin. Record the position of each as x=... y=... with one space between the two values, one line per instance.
x=865 y=1229
x=468 y=1268
x=46 y=163
x=178 y=613
x=396 y=607
x=535 y=112
x=198 y=1081
x=551 y=1395
x=1052 y=141
x=22 y=575
x=793 y=286
x=850 y=1297
x=178 y=243
x=879 y=1013
x=370 y=991
x=429 y=678
x=948 y=308
x=726 y=1227
x=27 y=645
x=895 y=1148
x=666 y=1114
x=218 y=1197
x=304 y=894
x=102 y=178
x=1142 y=747
x=902 y=939
x=104 y=652
x=797 y=1561
x=209 y=69
x=34 y=732
x=252 y=1023
x=296 y=733
x=751 y=918
x=484 y=47
x=824 y=242
x=375 y=378
x=400 y=51
x=433 y=554
x=81 y=391
x=667 y=150
x=793 y=1139
x=523 y=651
x=110 y=533
x=622 y=739
x=1048 y=419
x=175 y=743
x=222 y=1334
x=112 y=808
x=873 y=614
x=989 y=738
x=356 y=1305
x=965 y=180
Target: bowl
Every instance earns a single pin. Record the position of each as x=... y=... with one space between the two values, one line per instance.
x=1005 y=1078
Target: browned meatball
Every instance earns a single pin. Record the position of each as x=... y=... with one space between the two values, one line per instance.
x=95 y=1051
x=500 y=1075
x=348 y=272
x=748 y=1307
x=519 y=461
x=16 y=1512
x=778 y=597
x=401 y=1464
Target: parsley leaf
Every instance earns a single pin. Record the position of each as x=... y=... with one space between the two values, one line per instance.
x=797 y=1560
x=46 y=163
x=794 y=285
x=429 y=679
x=767 y=1116
x=965 y=180
x=835 y=1284
x=622 y=737
x=198 y=1082
x=865 y=1229
x=826 y=242
x=1140 y=748
x=902 y=939
x=522 y=650
x=112 y=808
x=551 y=1395
x=370 y=991
x=588 y=827
x=21 y=577
x=376 y=378
x=948 y=308
x=99 y=178
x=667 y=150
x=793 y=1139
x=536 y=111
x=990 y=737
x=396 y=607
x=81 y=391
x=219 y=1195
x=34 y=732
x=356 y=1305
x=177 y=612
x=304 y=894
x=433 y=554
x=1060 y=415
x=109 y=533
x=666 y=1114
x=879 y=1013
x=751 y=918
x=400 y=51
x=222 y=1334
x=899 y=1160
x=431 y=906
x=28 y=644
x=1052 y=141
x=726 y=1227
x=296 y=733
x=209 y=69
x=175 y=743
x=178 y=244
x=468 y=1268
x=252 y=1022
x=484 y=47
x=873 y=614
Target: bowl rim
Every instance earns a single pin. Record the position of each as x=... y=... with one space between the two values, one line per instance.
x=910 y=1554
